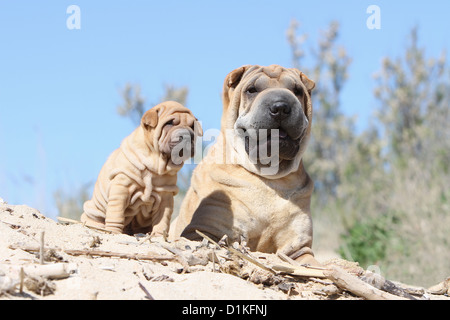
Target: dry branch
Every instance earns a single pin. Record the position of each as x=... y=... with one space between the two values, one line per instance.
x=356 y=286
x=41 y=248
x=67 y=220
x=441 y=288
x=379 y=282
x=49 y=271
x=236 y=252
x=100 y=253
x=147 y=294
x=299 y=271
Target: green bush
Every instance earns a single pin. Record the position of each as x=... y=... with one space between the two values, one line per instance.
x=367 y=241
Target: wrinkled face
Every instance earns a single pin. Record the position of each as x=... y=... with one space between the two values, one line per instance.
x=173 y=129
x=272 y=114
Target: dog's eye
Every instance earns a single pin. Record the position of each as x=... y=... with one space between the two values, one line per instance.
x=298 y=91
x=169 y=123
x=251 y=89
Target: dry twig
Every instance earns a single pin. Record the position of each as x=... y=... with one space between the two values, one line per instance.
x=356 y=286
x=147 y=294
x=441 y=288
x=379 y=282
x=100 y=253
x=300 y=271
x=236 y=252
x=49 y=271
x=67 y=220
x=41 y=248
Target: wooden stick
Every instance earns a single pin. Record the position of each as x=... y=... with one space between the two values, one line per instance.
x=286 y=258
x=180 y=256
x=50 y=271
x=68 y=220
x=356 y=286
x=379 y=282
x=213 y=260
x=291 y=261
x=22 y=277
x=79 y=222
x=41 y=248
x=101 y=253
x=299 y=271
x=441 y=288
x=207 y=238
x=324 y=282
x=250 y=259
x=147 y=294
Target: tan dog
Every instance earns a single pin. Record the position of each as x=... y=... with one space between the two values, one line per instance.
x=242 y=191
x=135 y=188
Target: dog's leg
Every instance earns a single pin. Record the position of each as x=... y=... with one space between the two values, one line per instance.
x=117 y=204
x=161 y=218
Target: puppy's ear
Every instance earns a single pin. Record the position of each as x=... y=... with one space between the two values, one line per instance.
x=198 y=130
x=150 y=118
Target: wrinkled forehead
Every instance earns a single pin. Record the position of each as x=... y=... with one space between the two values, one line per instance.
x=274 y=77
x=183 y=117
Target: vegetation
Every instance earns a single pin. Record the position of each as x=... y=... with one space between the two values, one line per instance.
x=382 y=195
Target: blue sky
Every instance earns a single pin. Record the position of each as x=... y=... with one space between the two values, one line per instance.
x=59 y=87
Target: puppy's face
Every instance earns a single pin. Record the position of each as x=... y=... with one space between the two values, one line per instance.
x=269 y=109
x=171 y=129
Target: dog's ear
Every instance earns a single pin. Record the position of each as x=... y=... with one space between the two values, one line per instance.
x=309 y=84
x=150 y=118
x=233 y=78
x=231 y=81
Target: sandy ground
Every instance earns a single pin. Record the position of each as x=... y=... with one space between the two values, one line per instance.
x=184 y=270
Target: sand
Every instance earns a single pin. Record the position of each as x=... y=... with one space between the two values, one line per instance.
x=186 y=270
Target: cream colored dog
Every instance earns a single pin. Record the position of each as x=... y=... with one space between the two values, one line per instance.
x=135 y=188
x=240 y=189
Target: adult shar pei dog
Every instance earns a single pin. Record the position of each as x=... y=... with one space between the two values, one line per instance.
x=242 y=190
x=135 y=188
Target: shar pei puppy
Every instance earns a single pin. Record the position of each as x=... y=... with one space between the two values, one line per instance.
x=135 y=188
x=252 y=185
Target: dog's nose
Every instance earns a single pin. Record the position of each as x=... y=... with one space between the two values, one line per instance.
x=280 y=110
